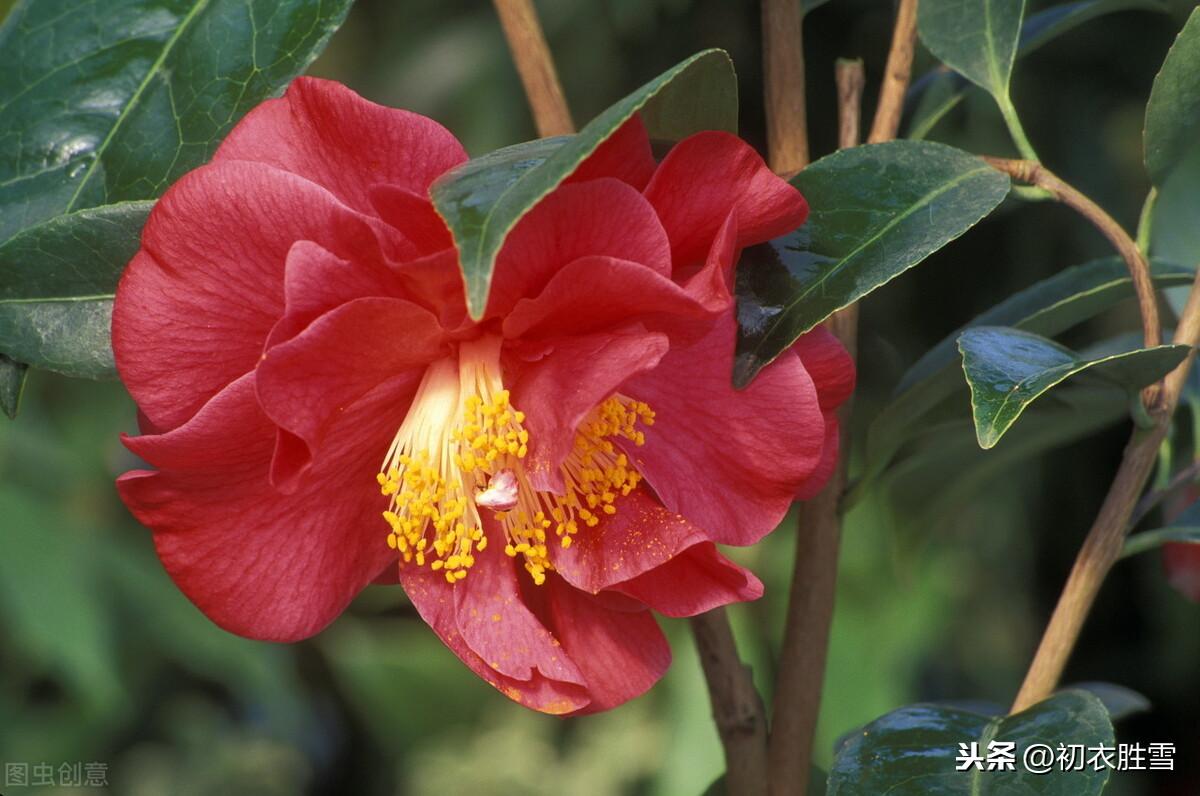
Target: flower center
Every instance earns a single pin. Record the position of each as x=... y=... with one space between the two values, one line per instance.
x=460 y=452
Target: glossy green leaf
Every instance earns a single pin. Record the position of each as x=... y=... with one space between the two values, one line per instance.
x=1173 y=112
x=941 y=89
x=57 y=281
x=1185 y=528
x=12 y=383
x=1047 y=308
x=912 y=751
x=976 y=38
x=482 y=200
x=102 y=102
x=877 y=211
x=1052 y=305
x=1007 y=369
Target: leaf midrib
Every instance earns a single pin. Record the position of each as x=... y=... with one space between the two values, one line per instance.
x=919 y=204
x=133 y=101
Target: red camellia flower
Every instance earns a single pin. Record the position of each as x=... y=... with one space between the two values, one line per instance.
x=322 y=412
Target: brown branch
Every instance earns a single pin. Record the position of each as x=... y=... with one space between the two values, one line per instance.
x=1036 y=174
x=1104 y=541
x=896 y=75
x=736 y=704
x=535 y=66
x=850 y=81
x=783 y=72
x=814 y=581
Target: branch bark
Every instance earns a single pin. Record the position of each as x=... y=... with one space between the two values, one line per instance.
x=814 y=581
x=1036 y=174
x=1104 y=541
x=783 y=70
x=736 y=704
x=896 y=75
x=531 y=55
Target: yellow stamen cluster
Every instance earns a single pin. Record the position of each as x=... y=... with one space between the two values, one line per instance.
x=460 y=432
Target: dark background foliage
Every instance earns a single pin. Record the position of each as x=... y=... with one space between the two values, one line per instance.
x=102 y=660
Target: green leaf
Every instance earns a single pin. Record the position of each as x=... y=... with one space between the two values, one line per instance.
x=1119 y=701
x=1049 y=24
x=1052 y=305
x=1173 y=112
x=941 y=89
x=1047 y=308
x=877 y=210
x=482 y=200
x=976 y=38
x=57 y=281
x=12 y=383
x=912 y=751
x=943 y=468
x=1007 y=369
x=102 y=102
x=1185 y=529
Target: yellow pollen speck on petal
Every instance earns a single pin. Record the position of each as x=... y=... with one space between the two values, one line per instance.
x=462 y=438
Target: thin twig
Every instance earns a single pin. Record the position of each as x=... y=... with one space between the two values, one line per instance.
x=1036 y=174
x=896 y=75
x=736 y=704
x=783 y=72
x=1150 y=500
x=814 y=580
x=535 y=66
x=1104 y=541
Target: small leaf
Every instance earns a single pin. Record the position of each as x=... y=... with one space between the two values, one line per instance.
x=1173 y=112
x=1007 y=369
x=976 y=38
x=1119 y=701
x=914 y=751
x=482 y=200
x=941 y=90
x=106 y=102
x=877 y=211
x=1185 y=529
x=57 y=281
x=12 y=383
x=1048 y=307
x=1052 y=305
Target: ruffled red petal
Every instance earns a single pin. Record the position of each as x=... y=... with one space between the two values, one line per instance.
x=324 y=132
x=710 y=174
x=306 y=383
x=620 y=653
x=257 y=562
x=730 y=461
x=196 y=304
x=597 y=217
x=697 y=580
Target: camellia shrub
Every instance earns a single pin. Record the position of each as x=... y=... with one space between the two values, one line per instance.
x=540 y=390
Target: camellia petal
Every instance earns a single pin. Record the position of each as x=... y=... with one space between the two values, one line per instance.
x=730 y=461
x=195 y=306
x=598 y=217
x=257 y=562
x=692 y=582
x=324 y=132
x=706 y=176
x=620 y=653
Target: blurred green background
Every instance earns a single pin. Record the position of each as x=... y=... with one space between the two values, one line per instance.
x=102 y=659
